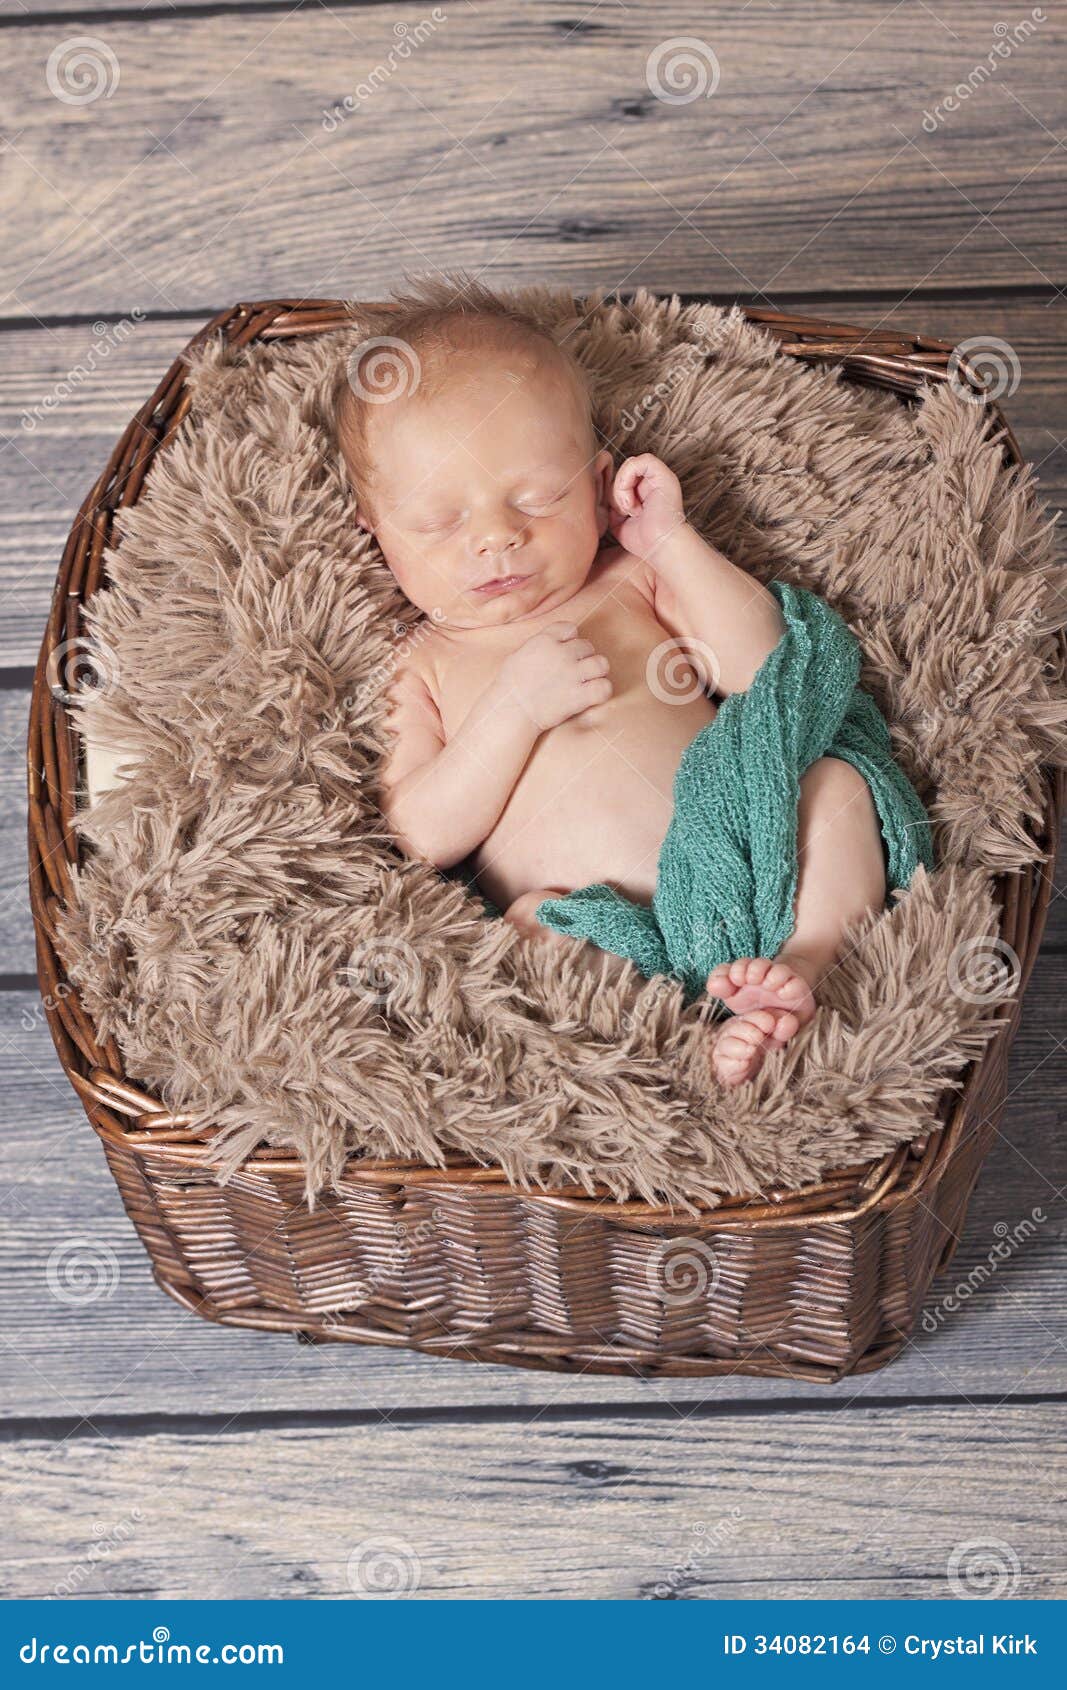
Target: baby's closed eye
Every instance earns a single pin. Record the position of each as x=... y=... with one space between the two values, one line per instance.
x=436 y=525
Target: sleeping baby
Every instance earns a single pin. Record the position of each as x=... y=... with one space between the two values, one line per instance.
x=581 y=638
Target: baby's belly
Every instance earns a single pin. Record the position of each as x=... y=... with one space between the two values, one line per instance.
x=593 y=803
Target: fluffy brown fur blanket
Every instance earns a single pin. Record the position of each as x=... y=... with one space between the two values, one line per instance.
x=266 y=959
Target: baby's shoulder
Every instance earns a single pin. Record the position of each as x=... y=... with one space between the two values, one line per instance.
x=413 y=672
x=617 y=568
x=417 y=654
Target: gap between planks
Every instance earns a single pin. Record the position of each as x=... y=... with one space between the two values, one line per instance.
x=168 y=12
x=15 y=1428
x=1000 y=293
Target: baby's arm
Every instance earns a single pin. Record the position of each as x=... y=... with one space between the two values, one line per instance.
x=697 y=592
x=444 y=797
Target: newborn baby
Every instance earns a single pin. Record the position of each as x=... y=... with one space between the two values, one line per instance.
x=537 y=724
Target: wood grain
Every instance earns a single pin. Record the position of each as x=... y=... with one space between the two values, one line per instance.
x=23 y=12
x=148 y=1453
x=130 y=1350
x=678 y=1507
x=526 y=142
x=16 y=924
x=70 y=392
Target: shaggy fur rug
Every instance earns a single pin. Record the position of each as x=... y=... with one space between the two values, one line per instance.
x=267 y=961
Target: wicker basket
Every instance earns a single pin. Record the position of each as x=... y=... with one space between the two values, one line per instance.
x=812 y=1283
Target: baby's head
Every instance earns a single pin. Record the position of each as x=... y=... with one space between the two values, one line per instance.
x=469 y=439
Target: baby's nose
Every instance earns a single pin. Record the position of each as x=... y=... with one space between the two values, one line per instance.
x=500 y=537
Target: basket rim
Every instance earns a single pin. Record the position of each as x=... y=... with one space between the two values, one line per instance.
x=122 y=1113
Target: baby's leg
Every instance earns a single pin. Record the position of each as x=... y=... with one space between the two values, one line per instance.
x=523 y=914
x=589 y=957
x=841 y=875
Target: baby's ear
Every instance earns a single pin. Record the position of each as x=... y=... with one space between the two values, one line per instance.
x=604 y=475
x=363 y=520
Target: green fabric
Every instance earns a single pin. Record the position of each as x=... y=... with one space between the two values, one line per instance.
x=727 y=874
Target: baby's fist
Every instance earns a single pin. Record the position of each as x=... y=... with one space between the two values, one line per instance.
x=647 y=505
x=555 y=675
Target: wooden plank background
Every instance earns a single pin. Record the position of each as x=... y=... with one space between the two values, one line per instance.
x=638 y=1505
x=523 y=141
x=525 y=138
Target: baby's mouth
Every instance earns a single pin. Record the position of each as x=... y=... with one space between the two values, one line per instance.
x=500 y=584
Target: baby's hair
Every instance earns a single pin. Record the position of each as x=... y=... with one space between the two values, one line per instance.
x=406 y=346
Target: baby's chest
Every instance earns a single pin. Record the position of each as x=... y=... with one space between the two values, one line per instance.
x=631 y=638
x=636 y=645
x=458 y=681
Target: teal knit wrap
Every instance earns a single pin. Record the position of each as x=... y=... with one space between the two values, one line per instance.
x=727 y=875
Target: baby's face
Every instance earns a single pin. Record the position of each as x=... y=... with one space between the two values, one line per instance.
x=486 y=502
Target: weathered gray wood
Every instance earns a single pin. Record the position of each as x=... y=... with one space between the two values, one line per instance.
x=525 y=141
x=16 y=925
x=870 y=1504
x=133 y=1350
x=522 y=140
x=24 y=12
x=67 y=397
x=71 y=391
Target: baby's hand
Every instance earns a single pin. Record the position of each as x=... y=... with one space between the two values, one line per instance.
x=647 y=500
x=555 y=675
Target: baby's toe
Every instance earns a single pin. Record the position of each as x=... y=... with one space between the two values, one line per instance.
x=747 y=1033
x=762 y=1023
x=739 y=1037
x=738 y=1053
x=733 y=1064
x=731 y=1077
x=732 y=1060
x=784 y=1027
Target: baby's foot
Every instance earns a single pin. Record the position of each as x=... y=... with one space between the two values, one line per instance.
x=768 y=1001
